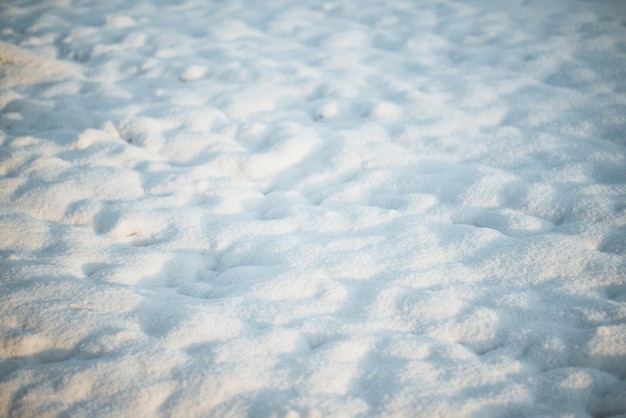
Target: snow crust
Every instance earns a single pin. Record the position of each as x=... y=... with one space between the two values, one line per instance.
x=312 y=208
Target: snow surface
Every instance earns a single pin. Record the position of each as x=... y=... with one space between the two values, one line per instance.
x=351 y=208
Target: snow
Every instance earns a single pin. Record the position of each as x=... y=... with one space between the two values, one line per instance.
x=313 y=209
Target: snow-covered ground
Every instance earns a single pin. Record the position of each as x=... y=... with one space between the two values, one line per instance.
x=351 y=208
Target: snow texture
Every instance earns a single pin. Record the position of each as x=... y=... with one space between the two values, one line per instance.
x=351 y=208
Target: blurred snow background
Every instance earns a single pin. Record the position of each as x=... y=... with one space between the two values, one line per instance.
x=340 y=208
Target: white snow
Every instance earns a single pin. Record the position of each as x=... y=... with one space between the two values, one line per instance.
x=313 y=208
